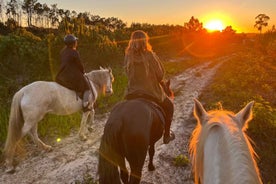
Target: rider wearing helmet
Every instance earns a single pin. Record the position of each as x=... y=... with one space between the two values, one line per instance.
x=71 y=72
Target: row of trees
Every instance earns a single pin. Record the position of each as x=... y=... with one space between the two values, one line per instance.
x=41 y=19
x=30 y=13
x=95 y=31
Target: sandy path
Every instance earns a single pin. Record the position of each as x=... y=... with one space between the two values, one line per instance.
x=71 y=159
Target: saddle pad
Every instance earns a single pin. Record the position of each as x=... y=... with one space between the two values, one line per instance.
x=157 y=108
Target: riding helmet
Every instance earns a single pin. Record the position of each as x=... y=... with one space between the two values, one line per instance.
x=69 y=39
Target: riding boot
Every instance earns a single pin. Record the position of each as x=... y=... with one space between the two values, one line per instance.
x=168 y=107
x=86 y=103
x=168 y=134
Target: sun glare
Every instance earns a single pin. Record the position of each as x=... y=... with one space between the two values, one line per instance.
x=214 y=25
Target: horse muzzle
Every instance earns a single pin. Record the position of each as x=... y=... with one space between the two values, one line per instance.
x=109 y=92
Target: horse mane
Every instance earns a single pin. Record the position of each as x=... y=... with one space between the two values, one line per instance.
x=231 y=136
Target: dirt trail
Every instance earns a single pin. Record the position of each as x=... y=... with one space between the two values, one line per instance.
x=71 y=159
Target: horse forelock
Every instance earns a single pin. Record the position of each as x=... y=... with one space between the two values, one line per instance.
x=239 y=154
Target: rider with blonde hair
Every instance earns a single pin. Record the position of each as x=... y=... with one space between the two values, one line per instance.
x=145 y=72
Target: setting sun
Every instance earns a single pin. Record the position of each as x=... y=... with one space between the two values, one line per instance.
x=214 y=25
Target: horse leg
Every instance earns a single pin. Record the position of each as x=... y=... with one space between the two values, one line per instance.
x=151 y=154
x=37 y=141
x=9 y=159
x=136 y=174
x=91 y=121
x=83 y=128
x=136 y=165
x=10 y=150
x=123 y=170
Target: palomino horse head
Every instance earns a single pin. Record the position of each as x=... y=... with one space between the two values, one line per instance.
x=221 y=151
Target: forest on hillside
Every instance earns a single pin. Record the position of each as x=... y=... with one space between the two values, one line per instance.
x=31 y=52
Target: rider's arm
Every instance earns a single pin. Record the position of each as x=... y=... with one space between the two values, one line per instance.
x=158 y=68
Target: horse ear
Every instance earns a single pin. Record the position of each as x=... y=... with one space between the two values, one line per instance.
x=245 y=115
x=101 y=68
x=199 y=111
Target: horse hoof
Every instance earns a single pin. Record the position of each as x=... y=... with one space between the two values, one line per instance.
x=151 y=168
x=90 y=129
x=48 y=148
x=10 y=170
x=83 y=138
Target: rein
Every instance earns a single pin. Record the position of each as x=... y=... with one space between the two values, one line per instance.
x=89 y=84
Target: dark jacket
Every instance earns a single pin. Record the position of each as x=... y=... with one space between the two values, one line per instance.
x=71 y=71
x=141 y=82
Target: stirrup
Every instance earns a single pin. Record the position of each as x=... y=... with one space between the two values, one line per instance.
x=86 y=107
x=168 y=138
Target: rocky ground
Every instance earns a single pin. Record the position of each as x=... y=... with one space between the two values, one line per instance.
x=73 y=160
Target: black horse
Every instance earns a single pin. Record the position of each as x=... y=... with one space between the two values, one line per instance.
x=131 y=130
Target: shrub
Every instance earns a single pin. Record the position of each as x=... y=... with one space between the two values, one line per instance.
x=181 y=160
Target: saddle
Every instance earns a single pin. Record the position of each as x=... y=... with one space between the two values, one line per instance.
x=151 y=101
x=80 y=94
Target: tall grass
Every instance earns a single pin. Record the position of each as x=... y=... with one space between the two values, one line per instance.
x=54 y=126
x=4 y=119
x=250 y=76
x=174 y=68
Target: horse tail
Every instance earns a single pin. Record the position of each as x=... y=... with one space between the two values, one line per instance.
x=16 y=122
x=109 y=155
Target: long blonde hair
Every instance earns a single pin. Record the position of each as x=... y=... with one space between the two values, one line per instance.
x=138 y=45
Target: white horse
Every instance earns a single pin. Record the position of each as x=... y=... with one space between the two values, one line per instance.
x=31 y=103
x=220 y=150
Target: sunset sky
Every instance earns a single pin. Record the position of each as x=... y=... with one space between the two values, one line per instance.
x=240 y=14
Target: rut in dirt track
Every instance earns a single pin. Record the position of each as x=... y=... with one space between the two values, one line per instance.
x=71 y=158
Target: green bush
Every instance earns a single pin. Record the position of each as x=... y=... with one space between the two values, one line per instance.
x=181 y=160
x=244 y=78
